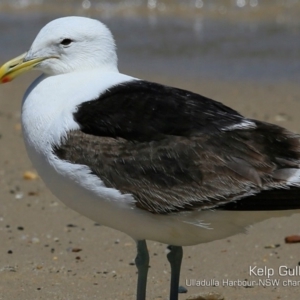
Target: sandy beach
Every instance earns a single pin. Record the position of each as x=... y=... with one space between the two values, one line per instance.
x=50 y=252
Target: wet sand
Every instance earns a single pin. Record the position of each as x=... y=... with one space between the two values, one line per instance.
x=50 y=252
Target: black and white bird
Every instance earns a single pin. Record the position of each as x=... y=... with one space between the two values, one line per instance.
x=155 y=162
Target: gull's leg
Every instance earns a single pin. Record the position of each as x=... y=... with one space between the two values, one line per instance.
x=142 y=264
x=175 y=258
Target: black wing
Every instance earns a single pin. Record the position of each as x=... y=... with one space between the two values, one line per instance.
x=175 y=150
x=146 y=111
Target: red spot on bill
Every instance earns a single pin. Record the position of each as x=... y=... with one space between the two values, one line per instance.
x=6 y=79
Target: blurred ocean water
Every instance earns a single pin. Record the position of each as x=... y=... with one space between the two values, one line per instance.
x=231 y=39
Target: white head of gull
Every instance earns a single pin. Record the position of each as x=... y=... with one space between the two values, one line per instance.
x=74 y=44
x=152 y=161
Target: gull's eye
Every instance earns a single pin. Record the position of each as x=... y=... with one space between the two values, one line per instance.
x=66 y=42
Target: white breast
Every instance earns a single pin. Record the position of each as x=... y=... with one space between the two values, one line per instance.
x=47 y=115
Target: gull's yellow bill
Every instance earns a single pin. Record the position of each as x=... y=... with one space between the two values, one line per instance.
x=17 y=66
